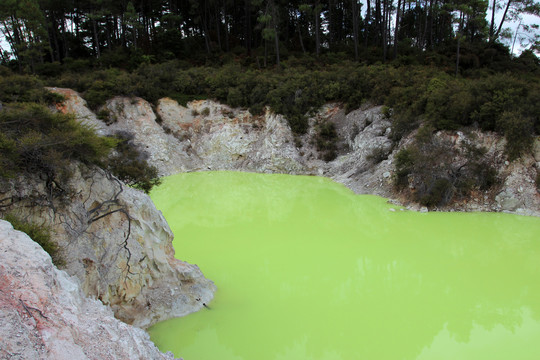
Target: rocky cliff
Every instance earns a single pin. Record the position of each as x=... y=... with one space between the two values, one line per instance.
x=206 y=135
x=115 y=242
x=45 y=315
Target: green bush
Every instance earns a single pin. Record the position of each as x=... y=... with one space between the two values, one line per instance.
x=428 y=166
x=34 y=140
x=131 y=166
x=40 y=234
x=519 y=133
x=25 y=88
x=377 y=154
x=326 y=140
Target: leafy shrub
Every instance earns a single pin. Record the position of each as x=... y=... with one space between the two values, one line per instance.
x=25 y=88
x=429 y=174
x=34 y=140
x=518 y=131
x=326 y=140
x=438 y=192
x=40 y=234
x=377 y=154
x=130 y=165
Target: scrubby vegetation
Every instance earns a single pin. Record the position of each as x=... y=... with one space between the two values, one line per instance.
x=36 y=141
x=434 y=172
x=40 y=234
x=131 y=166
x=33 y=140
x=440 y=66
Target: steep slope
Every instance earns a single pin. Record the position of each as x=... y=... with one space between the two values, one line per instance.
x=115 y=242
x=44 y=314
x=207 y=135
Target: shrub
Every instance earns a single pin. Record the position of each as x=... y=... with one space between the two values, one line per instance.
x=404 y=162
x=130 y=165
x=435 y=178
x=519 y=133
x=377 y=154
x=25 y=88
x=438 y=192
x=326 y=140
x=40 y=234
x=34 y=140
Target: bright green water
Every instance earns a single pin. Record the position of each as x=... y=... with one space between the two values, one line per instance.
x=305 y=269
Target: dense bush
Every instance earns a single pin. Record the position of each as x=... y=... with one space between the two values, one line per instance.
x=25 y=88
x=428 y=171
x=326 y=140
x=131 y=166
x=33 y=140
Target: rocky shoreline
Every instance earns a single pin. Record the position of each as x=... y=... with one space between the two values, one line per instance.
x=119 y=248
x=207 y=135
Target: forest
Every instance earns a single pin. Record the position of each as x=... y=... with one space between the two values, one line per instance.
x=127 y=33
x=434 y=65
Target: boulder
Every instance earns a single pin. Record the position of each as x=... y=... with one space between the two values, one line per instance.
x=116 y=242
x=45 y=315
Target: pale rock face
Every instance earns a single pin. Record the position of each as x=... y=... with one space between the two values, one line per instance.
x=75 y=104
x=367 y=167
x=218 y=137
x=136 y=116
x=117 y=244
x=44 y=314
x=207 y=135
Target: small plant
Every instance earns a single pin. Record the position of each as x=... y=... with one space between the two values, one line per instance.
x=387 y=112
x=130 y=165
x=104 y=115
x=326 y=140
x=377 y=155
x=38 y=233
x=205 y=111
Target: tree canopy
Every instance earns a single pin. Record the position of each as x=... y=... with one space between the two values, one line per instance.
x=47 y=31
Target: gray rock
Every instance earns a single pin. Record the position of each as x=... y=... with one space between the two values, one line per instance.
x=117 y=244
x=44 y=314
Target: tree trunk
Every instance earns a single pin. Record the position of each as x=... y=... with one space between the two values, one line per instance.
x=317 y=24
x=299 y=33
x=396 y=30
x=501 y=23
x=492 y=23
x=354 y=9
x=367 y=23
x=457 y=55
x=247 y=27
x=96 y=40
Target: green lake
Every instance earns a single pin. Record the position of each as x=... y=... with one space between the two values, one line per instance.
x=306 y=269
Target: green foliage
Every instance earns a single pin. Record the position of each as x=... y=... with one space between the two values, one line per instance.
x=25 y=88
x=131 y=166
x=34 y=140
x=38 y=233
x=377 y=154
x=326 y=140
x=518 y=131
x=429 y=173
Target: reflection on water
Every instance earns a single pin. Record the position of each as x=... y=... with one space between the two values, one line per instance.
x=305 y=269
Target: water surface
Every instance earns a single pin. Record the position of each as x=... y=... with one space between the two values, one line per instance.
x=305 y=269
